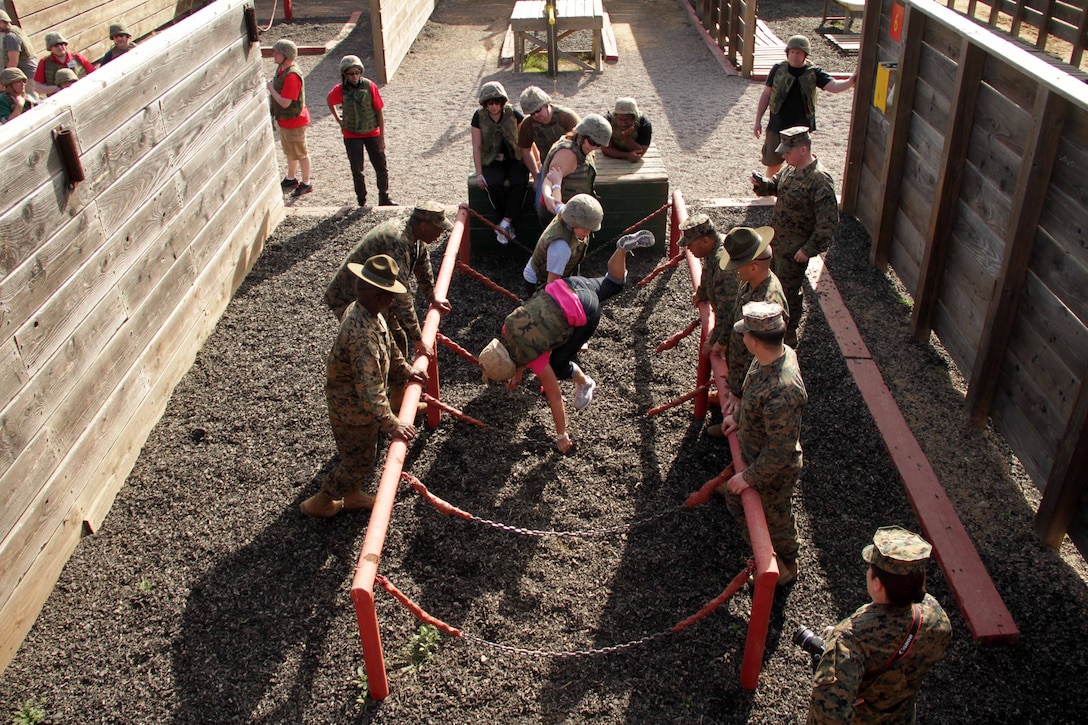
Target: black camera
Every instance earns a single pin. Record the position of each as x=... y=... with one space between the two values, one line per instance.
x=807 y=640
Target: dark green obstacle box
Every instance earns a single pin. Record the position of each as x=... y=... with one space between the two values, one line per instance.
x=628 y=193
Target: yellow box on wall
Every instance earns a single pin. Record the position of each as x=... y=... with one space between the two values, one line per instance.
x=884 y=93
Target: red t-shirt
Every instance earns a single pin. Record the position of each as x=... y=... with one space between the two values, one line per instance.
x=292 y=89
x=336 y=98
x=70 y=60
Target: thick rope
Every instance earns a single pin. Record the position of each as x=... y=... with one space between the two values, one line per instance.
x=672 y=263
x=442 y=339
x=674 y=340
x=485 y=281
x=679 y=401
x=610 y=247
x=497 y=228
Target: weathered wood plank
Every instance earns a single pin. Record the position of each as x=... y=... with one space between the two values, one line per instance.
x=28 y=160
x=906 y=253
x=1062 y=508
x=1063 y=267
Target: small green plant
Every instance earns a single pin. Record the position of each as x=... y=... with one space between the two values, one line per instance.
x=421 y=647
x=31 y=712
x=360 y=681
x=145 y=585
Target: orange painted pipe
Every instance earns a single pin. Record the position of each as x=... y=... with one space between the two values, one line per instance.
x=706 y=314
x=362 y=586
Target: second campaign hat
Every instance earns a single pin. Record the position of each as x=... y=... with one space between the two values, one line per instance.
x=381 y=270
x=744 y=244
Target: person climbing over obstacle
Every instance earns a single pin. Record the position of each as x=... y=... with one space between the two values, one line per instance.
x=546 y=332
x=569 y=168
x=790 y=94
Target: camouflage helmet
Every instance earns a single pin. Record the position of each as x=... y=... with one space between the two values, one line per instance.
x=119 y=29
x=533 y=99
x=798 y=42
x=4 y=16
x=288 y=48
x=596 y=127
x=65 y=75
x=11 y=75
x=492 y=90
x=626 y=106
x=584 y=212
x=350 y=61
x=52 y=39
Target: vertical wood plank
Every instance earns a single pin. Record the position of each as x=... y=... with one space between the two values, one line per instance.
x=1067 y=483
x=910 y=52
x=957 y=133
x=1048 y=119
x=863 y=100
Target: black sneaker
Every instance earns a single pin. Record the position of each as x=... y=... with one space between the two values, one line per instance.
x=288 y=184
x=384 y=200
x=302 y=188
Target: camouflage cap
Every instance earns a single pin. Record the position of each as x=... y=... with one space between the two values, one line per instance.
x=696 y=227
x=65 y=75
x=626 y=106
x=793 y=136
x=381 y=271
x=897 y=551
x=432 y=212
x=119 y=29
x=11 y=75
x=761 y=317
x=745 y=244
x=496 y=362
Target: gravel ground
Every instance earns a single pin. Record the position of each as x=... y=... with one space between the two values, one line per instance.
x=205 y=598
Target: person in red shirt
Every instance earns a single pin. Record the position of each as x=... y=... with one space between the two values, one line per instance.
x=288 y=104
x=362 y=122
x=59 y=57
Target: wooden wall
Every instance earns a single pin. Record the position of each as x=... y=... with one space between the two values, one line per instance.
x=395 y=25
x=107 y=291
x=972 y=186
x=86 y=23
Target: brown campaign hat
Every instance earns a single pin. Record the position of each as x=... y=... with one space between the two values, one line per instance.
x=744 y=244
x=897 y=551
x=381 y=271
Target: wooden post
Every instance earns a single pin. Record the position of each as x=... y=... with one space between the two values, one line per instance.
x=553 y=39
x=863 y=101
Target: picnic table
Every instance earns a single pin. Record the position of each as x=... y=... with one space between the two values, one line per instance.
x=530 y=17
x=849 y=7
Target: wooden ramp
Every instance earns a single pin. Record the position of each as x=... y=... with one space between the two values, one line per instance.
x=848 y=42
x=769 y=49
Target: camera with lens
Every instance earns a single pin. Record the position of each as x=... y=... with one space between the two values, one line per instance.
x=807 y=640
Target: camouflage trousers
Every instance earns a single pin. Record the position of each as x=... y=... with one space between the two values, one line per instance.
x=792 y=276
x=778 y=509
x=358 y=447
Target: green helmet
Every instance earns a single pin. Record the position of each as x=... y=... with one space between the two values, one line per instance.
x=596 y=127
x=584 y=212
x=493 y=89
x=533 y=99
x=798 y=42
x=285 y=46
x=350 y=61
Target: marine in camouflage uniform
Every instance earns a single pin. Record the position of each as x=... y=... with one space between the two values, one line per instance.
x=769 y=429
x=860 y=677
x=805 y=215
x=717 y=285
x=404 y=239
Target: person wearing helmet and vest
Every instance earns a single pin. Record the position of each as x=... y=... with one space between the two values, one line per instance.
x=547 y=331
x=13 y=98
x=874 y=661
x=632 y=131
x=496 y=156
x=18 y=50
x=59 y=57
x=569 y=168
x=545 y=122
x=790 y=94
x=287 y=101
x=362 y=122
x=122 y=43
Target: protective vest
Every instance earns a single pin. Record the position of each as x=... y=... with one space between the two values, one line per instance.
x=52 y=66
x=26 y=50
x=783 y=81
x=538 y=326
x=493 y=134
x=558 y=232
x=579 y=181
x=358 y=111
x=545 y=135
x=294 y=108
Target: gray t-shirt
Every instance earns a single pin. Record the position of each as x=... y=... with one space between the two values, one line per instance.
x=28 y=62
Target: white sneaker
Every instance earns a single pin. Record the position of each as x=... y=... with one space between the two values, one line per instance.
x=502 y=238
x=583 y=394
x=643 y=238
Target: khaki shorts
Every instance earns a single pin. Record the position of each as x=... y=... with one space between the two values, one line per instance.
x=771 y=139
x=294 y=142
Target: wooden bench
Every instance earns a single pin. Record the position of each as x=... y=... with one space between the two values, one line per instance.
x=528 y=18
x=850 y=8
x=627 y=191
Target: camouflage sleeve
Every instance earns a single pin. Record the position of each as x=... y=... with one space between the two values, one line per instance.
x=725 y=297
x=836 y=682
x=370 y=383
x=777 y=458
x=701 y=294
x=399 y=369
x=768 y=187
x=403 y=310
x=338 y=294
x=424 y=274
x=739 y=360
x=825 y=207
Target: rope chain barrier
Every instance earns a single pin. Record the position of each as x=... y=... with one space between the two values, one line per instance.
x=497 y=229
x=485 y=280
x=678 y=401
x=422 y=615
x=443 y=340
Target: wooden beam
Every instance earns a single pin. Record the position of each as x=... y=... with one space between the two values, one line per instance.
x=895 y=153
x=1067 y=483
x=863 y=101
x=1082 y=38
x=957 y=136
x=1041 y=150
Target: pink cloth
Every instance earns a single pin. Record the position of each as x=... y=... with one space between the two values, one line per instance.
x=568 y=302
